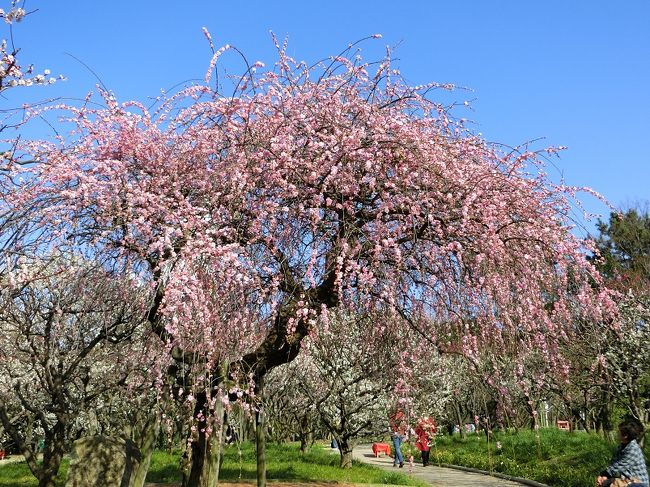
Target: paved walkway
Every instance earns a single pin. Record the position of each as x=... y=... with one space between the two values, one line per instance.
x=433 y=475
x=12 y=459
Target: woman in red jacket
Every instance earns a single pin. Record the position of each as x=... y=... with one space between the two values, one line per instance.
x=425 y=430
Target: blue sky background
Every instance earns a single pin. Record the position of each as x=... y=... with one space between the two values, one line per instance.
x=574 y=72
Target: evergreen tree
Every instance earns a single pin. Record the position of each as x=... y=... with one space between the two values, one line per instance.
x=624 y=247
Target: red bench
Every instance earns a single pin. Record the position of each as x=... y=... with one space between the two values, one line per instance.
x=563 y=425
x=378 y=448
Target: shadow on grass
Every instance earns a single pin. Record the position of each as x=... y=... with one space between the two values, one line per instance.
x=235 y=473
x=287 y=472
x=168 y=473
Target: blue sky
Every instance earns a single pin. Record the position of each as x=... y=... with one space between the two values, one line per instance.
x=576 y=73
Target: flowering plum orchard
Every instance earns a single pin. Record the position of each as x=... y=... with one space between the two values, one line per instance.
x=69 y=339
x=347 y=371
x=253 y=214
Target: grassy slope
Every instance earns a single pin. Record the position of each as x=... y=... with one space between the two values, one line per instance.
x=554 y=457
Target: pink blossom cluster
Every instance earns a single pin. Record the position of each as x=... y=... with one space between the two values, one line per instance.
x=315 y=188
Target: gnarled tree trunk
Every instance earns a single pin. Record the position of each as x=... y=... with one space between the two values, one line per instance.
x=146 y=442
x=205 y=456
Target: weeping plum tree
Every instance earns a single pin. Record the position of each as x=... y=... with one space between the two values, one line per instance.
x=304 y=190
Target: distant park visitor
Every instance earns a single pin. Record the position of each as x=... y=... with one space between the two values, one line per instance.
x=398 y=428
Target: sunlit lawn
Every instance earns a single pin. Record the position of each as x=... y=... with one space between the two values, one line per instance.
x=553 y=457
x=284 y=463
x=19 y=475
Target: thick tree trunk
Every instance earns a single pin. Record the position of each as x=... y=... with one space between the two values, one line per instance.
x=580 y=420
x=604 y=415
x=46 y=479
x=146 y=443
x=52 y=456
x=46 y=470
x=345 y=449
x=205 y=456
x=304 y=444
x=206 y=451
x=49 y=482
x=305 y=434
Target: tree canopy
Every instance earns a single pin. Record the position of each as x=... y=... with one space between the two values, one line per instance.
x=252 y=215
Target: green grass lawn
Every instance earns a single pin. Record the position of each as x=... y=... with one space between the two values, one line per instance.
x=284 y=462
x=553 y=457
x=19 y=475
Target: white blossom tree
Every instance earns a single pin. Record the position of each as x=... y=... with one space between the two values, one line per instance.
x=70 y=333
x=348 y=372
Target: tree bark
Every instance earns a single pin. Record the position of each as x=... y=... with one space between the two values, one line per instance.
x=260 y=436
x=345 y=449
x=304 y=445
x=146 y=443
x=49 y=482
x=46 y=470
x=305 y=434
x=52 y=456
x=459 y=418
x=206 y=450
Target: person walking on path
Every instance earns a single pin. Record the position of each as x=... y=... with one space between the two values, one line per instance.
x=425 y=430
x=398 y=428
x=434 y=475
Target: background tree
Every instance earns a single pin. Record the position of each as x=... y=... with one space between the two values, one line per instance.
x=629 y=359
x=623 y=246
x=623 y=257
x=67 y=331
x=291 y=413
x=348 y=371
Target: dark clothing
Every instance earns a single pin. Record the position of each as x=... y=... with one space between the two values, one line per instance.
x=425 y=458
